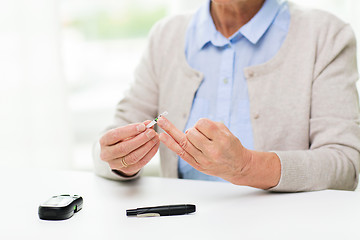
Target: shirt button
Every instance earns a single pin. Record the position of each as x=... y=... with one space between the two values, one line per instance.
x=184 y=115
x=250 y=74
x=226 y=81
x=256 y=116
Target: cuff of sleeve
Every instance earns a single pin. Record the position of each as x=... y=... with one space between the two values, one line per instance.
x=125 y=178
x=293 y=177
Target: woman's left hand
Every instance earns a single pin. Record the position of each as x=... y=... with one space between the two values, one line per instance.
x=210 y=148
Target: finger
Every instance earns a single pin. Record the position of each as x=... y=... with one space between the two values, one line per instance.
x=146 y=159
x=145 y=123
x=207 y=127
x=139 y=153
x=179 y=137
x=123 y=148
x=175 y=147
x=116 y=135
x=132 y=169
x=170 y=128
x=197 y=139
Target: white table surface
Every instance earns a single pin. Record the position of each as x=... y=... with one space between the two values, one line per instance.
x=224 y=211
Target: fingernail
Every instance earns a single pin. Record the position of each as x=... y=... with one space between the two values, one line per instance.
x=140 y=127
x=161 y=121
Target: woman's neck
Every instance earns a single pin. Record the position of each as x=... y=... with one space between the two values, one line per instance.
x=230 y=15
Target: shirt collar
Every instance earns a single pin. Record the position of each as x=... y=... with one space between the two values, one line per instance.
x=253 y=30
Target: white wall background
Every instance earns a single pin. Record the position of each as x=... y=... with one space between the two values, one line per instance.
x=34 y=120
x=44 y=123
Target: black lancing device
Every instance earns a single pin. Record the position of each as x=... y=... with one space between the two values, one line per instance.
x=168 y=210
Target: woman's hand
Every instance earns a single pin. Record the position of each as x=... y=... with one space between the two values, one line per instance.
x=211 y=148
x=129 y=148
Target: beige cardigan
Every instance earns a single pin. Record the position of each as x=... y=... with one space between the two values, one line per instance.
x=303 y=102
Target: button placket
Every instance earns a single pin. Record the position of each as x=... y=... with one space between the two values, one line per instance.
x=225 y=86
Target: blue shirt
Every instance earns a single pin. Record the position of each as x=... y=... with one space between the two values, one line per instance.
x=223 y=95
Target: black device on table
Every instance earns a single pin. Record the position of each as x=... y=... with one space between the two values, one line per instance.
x=60 y=207
x=167 y=210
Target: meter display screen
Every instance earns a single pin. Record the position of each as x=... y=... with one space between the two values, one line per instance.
x=58 y=201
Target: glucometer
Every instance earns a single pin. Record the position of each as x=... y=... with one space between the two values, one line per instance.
x=60 y=207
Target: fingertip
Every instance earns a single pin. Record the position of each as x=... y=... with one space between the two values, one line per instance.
x=141 y=127
x=161 y=121
x=146 y=122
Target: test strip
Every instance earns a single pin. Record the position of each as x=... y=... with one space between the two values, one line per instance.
x=153 y=122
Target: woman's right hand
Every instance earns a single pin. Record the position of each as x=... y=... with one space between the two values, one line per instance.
x=129 y=148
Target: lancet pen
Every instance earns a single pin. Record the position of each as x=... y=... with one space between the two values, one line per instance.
x=168 y=210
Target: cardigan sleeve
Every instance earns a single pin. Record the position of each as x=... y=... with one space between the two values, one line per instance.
x=140 y=103
x=333 y=158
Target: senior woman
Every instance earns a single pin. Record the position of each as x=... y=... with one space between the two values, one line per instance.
x=259 y=93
